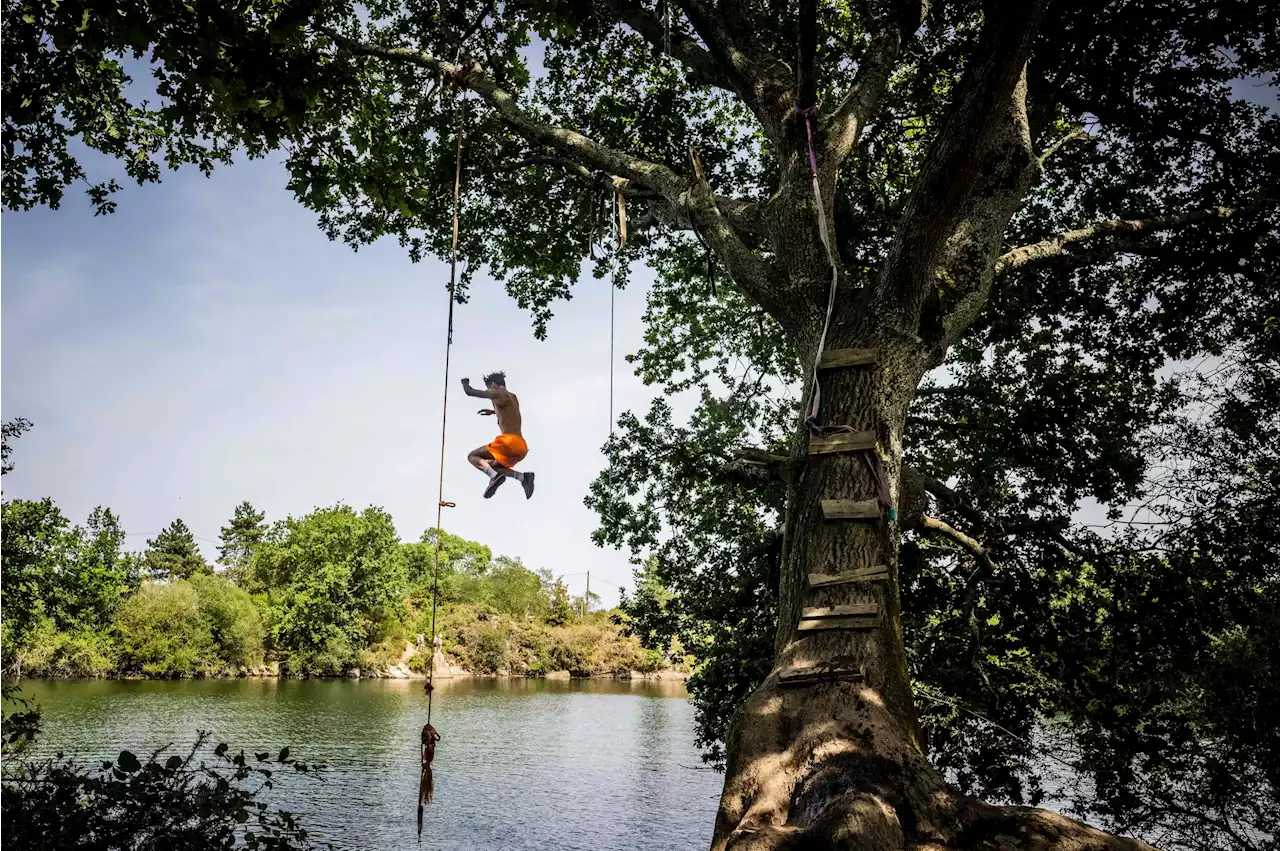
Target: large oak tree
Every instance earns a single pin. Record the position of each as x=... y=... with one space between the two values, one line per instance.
x=1012 y=156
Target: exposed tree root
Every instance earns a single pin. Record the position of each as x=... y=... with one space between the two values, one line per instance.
x=827 y=768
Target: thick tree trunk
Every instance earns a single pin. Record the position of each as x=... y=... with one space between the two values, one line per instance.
x=838 y=763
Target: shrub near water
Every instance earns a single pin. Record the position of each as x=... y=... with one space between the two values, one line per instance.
x=234 y=622
x=339 y=573
x=198 y=627
x=163 y=633
x=83 y=652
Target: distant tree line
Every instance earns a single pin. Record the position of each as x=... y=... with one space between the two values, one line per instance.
x=319 y=595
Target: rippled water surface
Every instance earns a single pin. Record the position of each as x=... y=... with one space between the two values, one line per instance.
x=523 y=764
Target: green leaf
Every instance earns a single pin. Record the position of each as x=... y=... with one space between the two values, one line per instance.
x=128 y=762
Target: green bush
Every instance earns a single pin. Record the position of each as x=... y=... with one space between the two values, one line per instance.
x=81 y=652
x=650 y=662
x=330 y=653
x=234 y=620
x=418 y=662
x=337 y=574
x=566 y=655
x=164 y=633
x=489 y=650
x=516 y=590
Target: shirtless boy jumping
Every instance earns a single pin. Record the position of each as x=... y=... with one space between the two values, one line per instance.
x=496 y=459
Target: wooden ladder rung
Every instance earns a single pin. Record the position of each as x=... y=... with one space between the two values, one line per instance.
x=850 y=441
x=751 y=455
x=851 y=609
x=862 y=574
x=868 y=622
x=818 y=673
x=851 y=509
x=835 y=358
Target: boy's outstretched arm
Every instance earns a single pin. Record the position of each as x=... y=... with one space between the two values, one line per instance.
x=482 y=394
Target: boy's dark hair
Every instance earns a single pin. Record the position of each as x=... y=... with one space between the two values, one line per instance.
x=498 y=378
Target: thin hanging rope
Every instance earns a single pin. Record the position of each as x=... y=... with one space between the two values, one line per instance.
x=613 y=292
x=444 y=418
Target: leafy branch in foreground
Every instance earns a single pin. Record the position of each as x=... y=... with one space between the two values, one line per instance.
x=202 y=798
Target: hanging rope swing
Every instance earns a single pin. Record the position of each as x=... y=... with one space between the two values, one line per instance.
x=430 y=736
x=426 y=785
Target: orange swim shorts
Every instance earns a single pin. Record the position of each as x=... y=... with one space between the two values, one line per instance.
x=508 y=449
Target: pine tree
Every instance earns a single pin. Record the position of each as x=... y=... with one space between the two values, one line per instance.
x=174 y=554
x=561 y=606
x=240 y=538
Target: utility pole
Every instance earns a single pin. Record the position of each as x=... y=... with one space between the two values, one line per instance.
x=586 y=599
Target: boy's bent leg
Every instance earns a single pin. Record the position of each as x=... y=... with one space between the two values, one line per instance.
x=482 y=460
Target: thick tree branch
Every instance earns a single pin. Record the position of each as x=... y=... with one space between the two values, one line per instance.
x=989 y=525
x=845 y=125
x=1121 y=231
x=952 y=500
x=755 y=467
x=1047 y=154
x=745 y=217
x=571 y=142
x=751 y=475
x=762 y=80
x=745 y=267
x=701 y=65
x=975 y=547
x=595 y=179
x=968 y=150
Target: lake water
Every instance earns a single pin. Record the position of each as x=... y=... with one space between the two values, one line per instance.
x=523 y=764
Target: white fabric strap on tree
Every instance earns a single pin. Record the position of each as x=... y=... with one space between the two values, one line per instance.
x=815 y=397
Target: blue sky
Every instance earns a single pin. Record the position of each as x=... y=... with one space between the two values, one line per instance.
x=207 y=344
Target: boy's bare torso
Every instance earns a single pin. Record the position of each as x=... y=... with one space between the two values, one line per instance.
x=507 y=408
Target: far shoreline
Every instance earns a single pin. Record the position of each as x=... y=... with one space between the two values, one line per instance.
x=455 y=674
